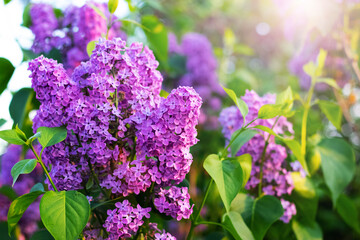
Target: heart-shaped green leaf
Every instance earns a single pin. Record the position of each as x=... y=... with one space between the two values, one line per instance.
x=337 y=164
x=51 y=136
x=238 y=102
x=22 y=167
x=236 y=226
x=18 y=207
x=227 y=175
x=64 y=213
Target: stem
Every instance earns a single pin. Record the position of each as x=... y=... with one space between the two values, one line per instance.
x=194 y=223
x=307 y=106
x=263 y=157
x=109 y=26
x=44 y=167
x=223 y=153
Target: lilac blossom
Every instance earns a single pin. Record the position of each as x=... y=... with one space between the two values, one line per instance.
x=277 y=179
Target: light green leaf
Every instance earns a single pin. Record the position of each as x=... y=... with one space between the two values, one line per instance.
x=241 y=137
x=238 y=102
x=267 y=129
x=337 y=164
x=310 y=69
x=51 y=136
x=320 y=62
x=285 y=97
x=18 y=207
x=227 y=175
x=90 y=47
x=20 y=133
x=245 y=161
x=348 y=211
x=64 y=213
x=236 y=226
x=295 y=147
x=164 y=93
x=329 y=81
x=112 y=5
x=157 y=36
x=268 y=111
x=23 y=167
x=332 y=111
x=306 y=230
x=12 y=137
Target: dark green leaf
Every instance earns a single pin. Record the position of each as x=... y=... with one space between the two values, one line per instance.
x=11 y=137
x=236 y=226
x=112 y=5
x=51 y=136
x=6 y=71
x=2 y=121
x=18 y=207
x=64 y=213
x=23 y=167
x=306 y=230
x=8 y=192
x=227 y=175
x=265 y=211
x=157 y=36
x=240 y=139
x=6 y=1
x=348 y=211
x=332 y=111
x=38 y=187
x=26 y=16
x=41 y=235
x=337 y=164
x=238 y=102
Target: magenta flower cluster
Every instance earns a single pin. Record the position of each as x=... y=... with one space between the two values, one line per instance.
x=13 y=154
x=200 y=72
x=277 y=179
x=174 y=202
x=119 y=128
x=71 y=32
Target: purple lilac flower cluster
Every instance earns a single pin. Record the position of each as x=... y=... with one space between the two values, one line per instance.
x=277 y=179
x=174 y=202
x=71 y=32
x=201 y=67
x=119 y=128
x=13 y=154
x=335 y=66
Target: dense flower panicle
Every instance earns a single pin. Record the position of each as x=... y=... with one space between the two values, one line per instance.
x=125 y=220
x=44 y=23
x=277 y=179
x=28 y=223
x=201 y=67
x=174 y=202
x=71 y=33
x=119 y=128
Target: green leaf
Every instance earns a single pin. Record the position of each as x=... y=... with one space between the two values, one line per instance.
x=20 y=133
x=90 y=47
x=2 y=121
x=348 y=212
x=8 y=192
x=285 y=97
x=295 y=147
x=320 y=62
x=38 y=187
x=6 y=1
x=265 y=211
x=64 y=213
x=236 y=226
x=238 y=102
x=41 y=235
x=22 y=103
x=267 y=129
x=26 y=16
x=337 y=164
x=240 y=139
x=6 y=71
x=310 y=69
x=157 y=36
x=304 y=195
x=164 y=93
x=227 y=175
x=51 y=136
x=332 y=111
x=23 y=167
x=306 y=230
x=12 y=137
x=268 y=111
x=112 y=5
x=245 y=161
x=329 y=81
x=18 y=207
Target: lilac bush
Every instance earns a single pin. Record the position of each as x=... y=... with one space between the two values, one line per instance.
x=276 y=179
